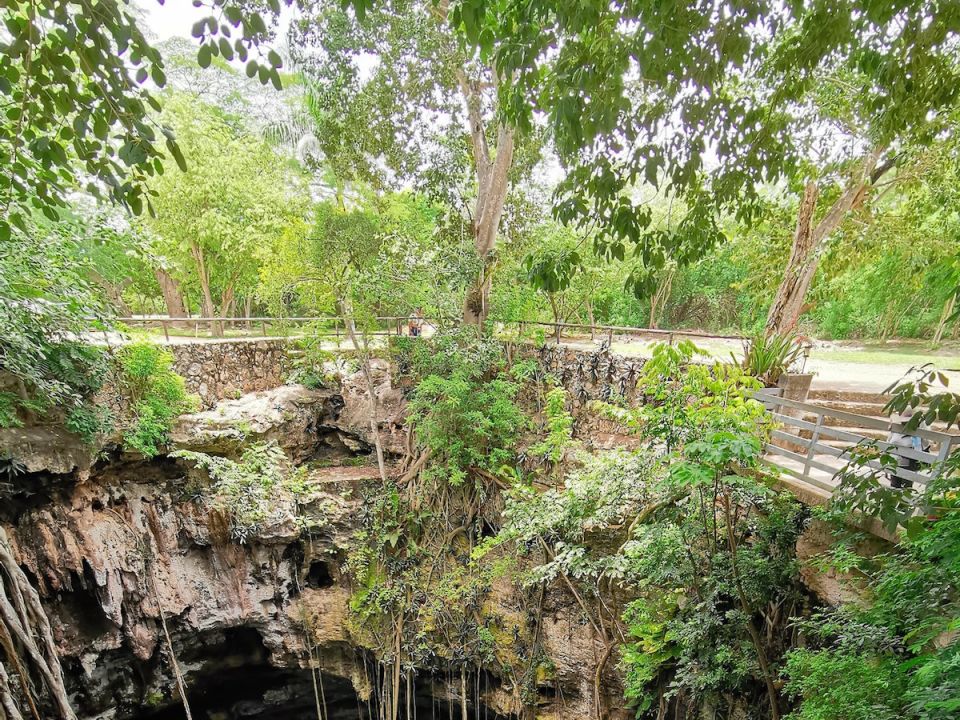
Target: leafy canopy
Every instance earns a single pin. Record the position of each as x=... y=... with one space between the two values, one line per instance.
x=708 y=101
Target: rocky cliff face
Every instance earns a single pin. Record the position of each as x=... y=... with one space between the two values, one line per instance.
x=142 y=581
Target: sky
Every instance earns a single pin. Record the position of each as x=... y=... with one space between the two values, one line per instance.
x=173 y=18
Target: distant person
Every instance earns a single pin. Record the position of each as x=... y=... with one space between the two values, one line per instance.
x=908 y=441
x=415 y=323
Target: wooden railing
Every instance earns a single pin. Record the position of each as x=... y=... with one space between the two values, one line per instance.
x=813 y=450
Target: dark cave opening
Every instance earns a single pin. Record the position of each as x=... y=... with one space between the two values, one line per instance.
x=318 y=576
x=229 y=677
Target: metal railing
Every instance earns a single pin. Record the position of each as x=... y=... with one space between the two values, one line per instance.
x=265 y=326
x=393 y=325
x=813 y=443
x=611 y=330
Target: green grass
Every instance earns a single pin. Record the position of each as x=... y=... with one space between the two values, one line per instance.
x=908 y=355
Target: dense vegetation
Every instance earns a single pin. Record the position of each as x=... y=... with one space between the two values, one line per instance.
x=765 y=167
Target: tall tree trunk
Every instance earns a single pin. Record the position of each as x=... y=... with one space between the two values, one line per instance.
x=782 y=317
x=248 y=309
x=945 y=316
x=172 y=297
x=660 y=297
x=808 y=242
x=207 y=308
x=556 y=316
x=492 y=171
x=228 y=304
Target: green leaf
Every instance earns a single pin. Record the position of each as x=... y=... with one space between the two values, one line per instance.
x=204 y=56
x=226 y=50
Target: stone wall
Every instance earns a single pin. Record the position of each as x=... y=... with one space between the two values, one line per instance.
x=219 y=370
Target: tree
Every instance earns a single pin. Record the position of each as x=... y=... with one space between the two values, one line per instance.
x=48 y=300
x=233 y=203
x=356 y=260
x=427 y=95
x=75 y=111
x=710 y=101
x=551 y=268
x=73 y=87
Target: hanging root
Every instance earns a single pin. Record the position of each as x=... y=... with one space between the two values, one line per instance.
x=8 y=708
x=27 y=642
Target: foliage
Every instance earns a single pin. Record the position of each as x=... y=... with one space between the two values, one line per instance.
x=75 y=112
x=89 y=422
x=765 y=73
x=461 y=350
x=467 y=420
x=844 y=683
x=155 y=393
x=559 y=429
x=686 y=533
x=730 y=548
x=48 y=303
x=684 y=398
x=255 y=490
x=309 y=364
x=380 y=256
x=423 y=111
x=902 y=642
x=215 y=220
x=767 y=357
x=551 y=267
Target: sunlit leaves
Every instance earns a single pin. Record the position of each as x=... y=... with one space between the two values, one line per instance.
x=73 y=84
x=706 y=101
x=234 y=30
x=227 y=206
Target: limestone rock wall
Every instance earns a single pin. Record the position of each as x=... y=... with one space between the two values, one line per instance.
x=129 y=546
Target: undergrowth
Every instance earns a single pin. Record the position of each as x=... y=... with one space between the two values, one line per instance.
x=156 y=395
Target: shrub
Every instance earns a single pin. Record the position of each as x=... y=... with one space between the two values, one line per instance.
x=467 y=422
x=257 y=489
x=72 y=373
x=560 y=429
x=8 y=410
x=156 y=393
x=462 y=351
x=89 y=422
x=308 y=366
x=767 y=357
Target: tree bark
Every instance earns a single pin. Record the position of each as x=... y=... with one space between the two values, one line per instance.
x=556 y=316
x=808 y=242
x=492 y=185
x=208 y=309
x=782 y=318
x=248 y=309
x=172 y=298
x=660 y=297
x=945 y=318
x=228 y=302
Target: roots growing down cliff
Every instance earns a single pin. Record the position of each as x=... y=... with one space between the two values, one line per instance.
x=28 y=647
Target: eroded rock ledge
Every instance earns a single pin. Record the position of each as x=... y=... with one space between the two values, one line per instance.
x=120 y=547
